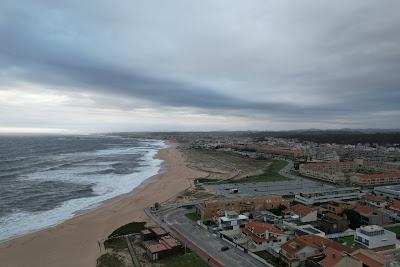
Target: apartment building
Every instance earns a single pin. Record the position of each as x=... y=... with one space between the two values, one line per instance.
x=325 y=196
x=376 y=179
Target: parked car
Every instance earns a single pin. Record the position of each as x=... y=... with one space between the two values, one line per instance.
x=225 y=248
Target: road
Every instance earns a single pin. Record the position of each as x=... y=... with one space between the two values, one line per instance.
x=207 y=242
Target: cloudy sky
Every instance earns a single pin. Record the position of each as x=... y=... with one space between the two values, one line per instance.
x=100 y=66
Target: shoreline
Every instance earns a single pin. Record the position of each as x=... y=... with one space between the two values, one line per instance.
x=74 y=241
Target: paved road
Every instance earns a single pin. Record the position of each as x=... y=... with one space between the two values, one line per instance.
x=295 y=185
x=207 y=242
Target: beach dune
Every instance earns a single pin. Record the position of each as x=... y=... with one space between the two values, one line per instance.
x=75 y=242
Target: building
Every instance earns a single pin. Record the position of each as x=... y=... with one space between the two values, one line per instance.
x=325 y=196
x=389 y=192
x=333 y=223
x=375 y=237
x=216 y=208
x=299 y=250
x=375 y=201
x=370 y=258
x=370 y=215
x=232 y=221
x=337 y=258
x=167 y=245
x=301 y=212
x=337 y=207
x=263 y=235
x=327 y=171
x=376 y=179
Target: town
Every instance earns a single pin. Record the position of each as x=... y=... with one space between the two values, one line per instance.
x=312 y=204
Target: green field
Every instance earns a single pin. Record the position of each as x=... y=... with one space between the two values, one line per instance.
x=348 y=239
x=130 y=228
x=270 y=174
x=394 y=229
x=193 y=216
x=190 y=259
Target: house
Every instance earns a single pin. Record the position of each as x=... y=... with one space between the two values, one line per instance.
x=308 y=248
x=263 y=235
x=337 y=207
x=394 y=206
x=232 y=221
x=337 y=258
x=167 y=245
x=301 y=212
x=332 y=223
x=146 y=234
x=370 y=258
x=158 y=232
x=375 y=237
x=375 y=201
x=370 y=216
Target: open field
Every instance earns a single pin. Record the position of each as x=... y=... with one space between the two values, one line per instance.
x=222 y=165
x=271 y=174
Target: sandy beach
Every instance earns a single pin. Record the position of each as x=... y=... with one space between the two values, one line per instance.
x=75 y=242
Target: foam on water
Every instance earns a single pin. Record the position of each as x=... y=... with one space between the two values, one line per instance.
x=104 y=186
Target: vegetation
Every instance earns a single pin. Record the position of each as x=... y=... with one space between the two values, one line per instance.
x=130 y=228
x=189 y=259
x=110 y=260
x=354 y=219
x=348 y=239
x=268 y=257
x=278 y=211
x=193 y=216
x=394 y=229
x=270 y=174
x=115 y=243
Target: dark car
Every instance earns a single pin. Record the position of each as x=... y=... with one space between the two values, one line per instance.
x=224 y=248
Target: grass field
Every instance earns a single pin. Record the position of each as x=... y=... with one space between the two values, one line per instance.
x=193 y=216
x=190 y=259
x=348 y=239
x=394 y=229
x=130 y=228
x=271 y=174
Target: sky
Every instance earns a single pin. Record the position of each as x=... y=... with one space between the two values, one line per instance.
x=107 y=66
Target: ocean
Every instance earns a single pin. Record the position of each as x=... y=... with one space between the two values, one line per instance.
x=45 y=180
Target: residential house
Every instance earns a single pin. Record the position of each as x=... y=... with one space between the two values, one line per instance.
x=375 y=201
x=370 y=258
x=337 y=258
x=167 y=245
x=301 y=212
x=337 y=207
x=371 y=216
x=375 y=237
x=263 y=235
x=299 y=250
x=332 y=223
x=232 y=221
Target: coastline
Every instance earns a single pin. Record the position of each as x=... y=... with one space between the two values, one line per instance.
x=74 y=242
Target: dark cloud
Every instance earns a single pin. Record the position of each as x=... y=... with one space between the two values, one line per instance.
x=289 y=62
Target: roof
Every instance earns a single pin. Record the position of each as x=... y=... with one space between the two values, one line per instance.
x=315 y=241
x=145 y=232
x=332 y=257
x=381 y=176
x=369 y=258
x=261 y=228
x=156 y=248
x=169 y=241
x=395 y=204
x=300 y=210
x=158 y=231
x=333 y=216
x=362 y=209
x=374 y=198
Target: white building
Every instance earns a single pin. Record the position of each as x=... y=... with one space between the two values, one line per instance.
x=324 y=196
x=232 y=221
x=390 y=191
x=375 y=237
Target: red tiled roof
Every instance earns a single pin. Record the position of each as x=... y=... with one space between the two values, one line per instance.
x=395 y=204
x=158 y=231
x=369 y=258
x=300 y=210
x=333 y=216
x=332 y=257
x=380 y=176
x=157 y=248
x=261 y=228
x=296 y=244
x=362 y=209
x=169 y=241
x=374 y=198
